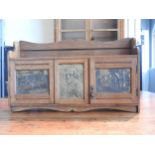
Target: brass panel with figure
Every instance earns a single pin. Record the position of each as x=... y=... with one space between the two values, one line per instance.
x=71 y=81
x=71 y=78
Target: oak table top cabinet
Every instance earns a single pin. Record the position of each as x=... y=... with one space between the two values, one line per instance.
x=89 y=29
x=74 y=75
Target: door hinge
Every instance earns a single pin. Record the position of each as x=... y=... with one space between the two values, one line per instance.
x=137 y=91
x=136 y=68
x=92 y=92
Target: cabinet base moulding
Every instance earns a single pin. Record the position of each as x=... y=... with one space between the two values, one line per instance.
x=68 y=108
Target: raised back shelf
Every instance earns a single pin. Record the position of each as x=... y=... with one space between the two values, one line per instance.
x=89 y=29
x=75 y=48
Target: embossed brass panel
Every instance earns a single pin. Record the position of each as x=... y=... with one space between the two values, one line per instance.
x=32 y=81
x=114 y=80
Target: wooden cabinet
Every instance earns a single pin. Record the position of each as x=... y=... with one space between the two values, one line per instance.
x=71 y=81
x=31 y=83
x=89 y=29
x=113 y=80
x=70 y=29
x=75 y=75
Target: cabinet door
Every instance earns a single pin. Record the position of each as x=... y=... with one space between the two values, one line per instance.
x=70 y=29
x=89 y=29
x=113 y=80
x=104 y=29
x=31 y=82
x=71 y=81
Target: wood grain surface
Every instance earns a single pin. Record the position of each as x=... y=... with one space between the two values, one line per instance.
x=101 y=122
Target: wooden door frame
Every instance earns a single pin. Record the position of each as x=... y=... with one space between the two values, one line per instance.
x=85 y=80
x=32 y=99
x=88 y=29
x=117 y=62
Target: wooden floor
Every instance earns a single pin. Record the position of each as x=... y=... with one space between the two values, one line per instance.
x=94 y=122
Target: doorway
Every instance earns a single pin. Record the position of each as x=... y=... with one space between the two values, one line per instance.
x=148 y=54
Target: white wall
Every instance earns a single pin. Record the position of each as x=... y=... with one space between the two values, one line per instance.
x=133 y=29
x=33 y=30
x=42 y=30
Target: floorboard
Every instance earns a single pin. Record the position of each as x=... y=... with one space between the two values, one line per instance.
x=85 y=123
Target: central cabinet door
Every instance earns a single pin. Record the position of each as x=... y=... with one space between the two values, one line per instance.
x=113 y=80
x=71 y=81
